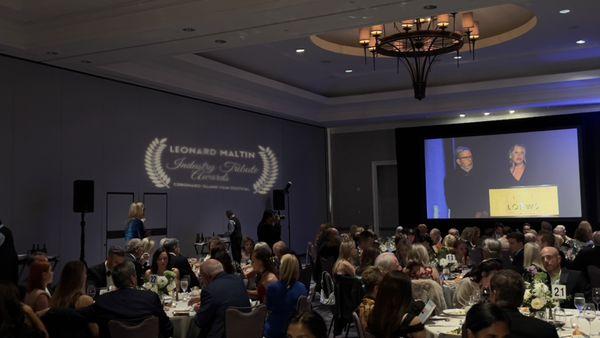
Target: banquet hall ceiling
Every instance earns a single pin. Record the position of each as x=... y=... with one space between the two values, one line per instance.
x=174 y=45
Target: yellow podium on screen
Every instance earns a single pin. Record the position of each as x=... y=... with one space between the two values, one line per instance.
x=524 y=201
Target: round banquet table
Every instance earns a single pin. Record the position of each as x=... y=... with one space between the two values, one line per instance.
x=182 y=318
x=441 y=326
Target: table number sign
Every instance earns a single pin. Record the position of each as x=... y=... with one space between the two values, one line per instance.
x=559 y=292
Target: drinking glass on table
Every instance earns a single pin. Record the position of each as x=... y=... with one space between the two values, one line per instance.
x=579 y=301
x=589 y=313
x=596 y=297
x=185 y=282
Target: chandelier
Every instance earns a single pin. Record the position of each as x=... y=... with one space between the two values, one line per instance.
x=417 y=43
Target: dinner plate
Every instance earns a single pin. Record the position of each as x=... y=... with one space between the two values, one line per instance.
x=455 y=312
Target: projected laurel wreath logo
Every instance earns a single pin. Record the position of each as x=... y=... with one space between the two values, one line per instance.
x=176 y=166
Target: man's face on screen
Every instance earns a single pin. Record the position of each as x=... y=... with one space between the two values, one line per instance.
x=465 y=160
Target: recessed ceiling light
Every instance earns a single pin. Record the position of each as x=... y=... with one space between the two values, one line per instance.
x=458 y=57
x=220 y=41
x=486 y=113
x=429 y=7
x=300 y=50
x=348 y=71
x=462 y=115
x=580 y=42
x=564 y=11
x=188 y=29
x=512 y=111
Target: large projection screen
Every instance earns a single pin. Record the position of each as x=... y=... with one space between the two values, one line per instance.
x=518 y=175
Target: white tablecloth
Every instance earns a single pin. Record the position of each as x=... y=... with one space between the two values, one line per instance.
x=441 y=328
x=183 y=326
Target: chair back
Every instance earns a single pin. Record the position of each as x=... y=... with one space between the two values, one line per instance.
x=146 y=329
x=327 y=296
x=427 y=289
x=594 y=275
x=66 y=323
x=359 y=328
x=303 y=304
x=348 y=295
x=245 y=322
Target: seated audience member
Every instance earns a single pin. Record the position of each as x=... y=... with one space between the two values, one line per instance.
x=454 y=232
x=574 y=281
x=263 y=264
x=247 y=248
x=582 y=237
x=161 y=261
x=477 y=282
x=491 y=248
x=367 y=259
x=461 y=252
x=307 y=325
x=526 y=228
x=225 y=259
x=561 y=231
x=127 y=304
x=70 y=292
x=180 y=262
x=9 y=260
x=449 y=241
x=532 y=260
x=278 y=249
x=391 y=315
x=485 y=320
x=282 y=297
x=402 y=248
x=530 y=237
x=507 y=290
x=100 y=275
x=222 y=291
x=387 y=262
x=328 y=251
x=135 y=250
x=344 y=264
x=371 y=278
x=399 y=231
x=436 y=238
x=545 y=239
x=589 y=256
x=366 y=239
x=516 y=242
x=17 y=320
x=40 y=276
x=418 y=266
x=545 y=226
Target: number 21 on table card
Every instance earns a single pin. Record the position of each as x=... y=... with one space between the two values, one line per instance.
x=559 y=292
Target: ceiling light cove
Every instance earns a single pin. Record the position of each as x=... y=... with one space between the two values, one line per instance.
x=564 y=11
x=580 y=42
x=300 y=50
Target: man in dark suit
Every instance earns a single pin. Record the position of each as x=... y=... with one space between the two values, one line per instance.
x=9 y=260
x=180 y=262
x=100 y=275
x=516 y=241
x=127 y=304
x=507 y=289
x=135 y=250
x=269 y=228
x=574 y=281
x=234 y=228
x=222 y=291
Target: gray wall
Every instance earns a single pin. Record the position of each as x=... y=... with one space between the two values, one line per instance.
x=351 y=158
x=57 y=126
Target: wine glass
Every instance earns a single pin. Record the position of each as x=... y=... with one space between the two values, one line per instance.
x=185 y=281
x=589 y=313
x=579 y=301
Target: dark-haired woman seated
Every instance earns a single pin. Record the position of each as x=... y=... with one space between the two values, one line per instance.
x=485 y=320
x=392 y=315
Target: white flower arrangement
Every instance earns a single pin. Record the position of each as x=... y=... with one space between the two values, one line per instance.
x=162 y=284
x=537 y=296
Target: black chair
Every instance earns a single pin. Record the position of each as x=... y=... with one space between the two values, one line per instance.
x=245 y=322
x=66 y=323
x=149 y=327
x=348 y=295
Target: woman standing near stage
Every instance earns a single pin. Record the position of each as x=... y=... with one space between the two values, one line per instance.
x=135 y=225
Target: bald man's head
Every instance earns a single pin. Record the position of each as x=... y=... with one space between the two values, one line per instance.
x=551 y=259
x=278 y=249
x=210 y=269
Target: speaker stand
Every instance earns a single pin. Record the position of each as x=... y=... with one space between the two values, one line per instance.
x=289 y=222
x=82 y=239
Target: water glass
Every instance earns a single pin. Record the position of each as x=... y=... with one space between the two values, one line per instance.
x=589 y=313
x=596 y=297
x=185 y=281
x=579 y=301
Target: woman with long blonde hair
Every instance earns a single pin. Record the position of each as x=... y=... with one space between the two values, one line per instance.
x=135 y=223
x=345 y=262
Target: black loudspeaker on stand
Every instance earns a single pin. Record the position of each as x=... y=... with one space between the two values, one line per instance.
x=83 y=202
x=279 y=202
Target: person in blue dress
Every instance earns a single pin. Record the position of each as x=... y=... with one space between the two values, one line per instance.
x=135 y=224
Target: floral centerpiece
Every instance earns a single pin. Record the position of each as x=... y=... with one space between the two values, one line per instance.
x=538 y=296
x=162 y=285
x=445 y=259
